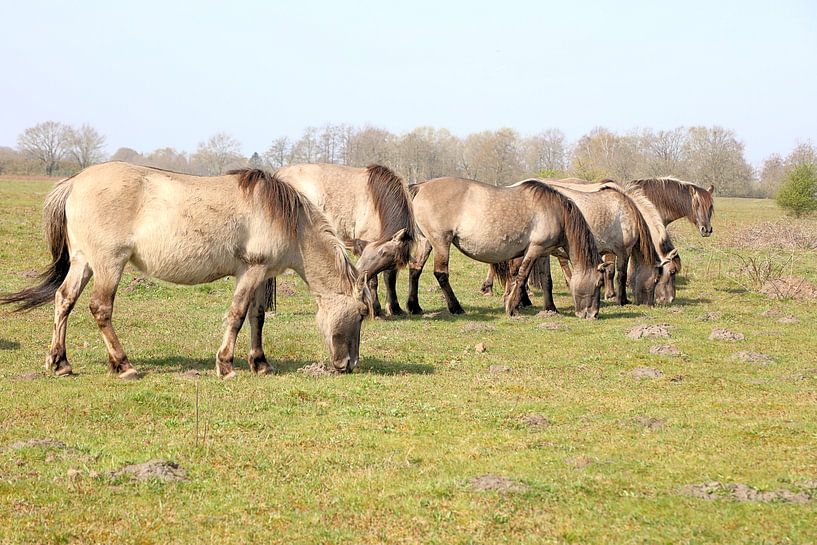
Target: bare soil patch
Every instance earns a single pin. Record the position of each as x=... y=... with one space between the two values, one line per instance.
x=480 y=348
x=645 y=331
x=664 y=350
x=37 y=443
x=497 y=483
x=646 y=372
x=772 y=313
x=720 y=334
x=499 y=369
x=711 y=316
x=139 y=283
x=153 y=470
x=744 y=493
x=432 y=315
x=34 y=375
x=790 y=287
x=536 y=421
x=755 y=358
x=579 y=462
x=472 y=326
x=548 y=314
x=550 y=326
x=786 y=320
x=317 y=369
x=190 y=374
x=649 y=422
x=29 y=274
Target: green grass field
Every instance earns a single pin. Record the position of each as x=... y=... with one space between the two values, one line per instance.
x=387 y=454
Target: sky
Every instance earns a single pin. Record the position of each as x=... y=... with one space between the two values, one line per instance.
x=153 y=74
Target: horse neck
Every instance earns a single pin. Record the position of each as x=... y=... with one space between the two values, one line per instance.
x=322 y=262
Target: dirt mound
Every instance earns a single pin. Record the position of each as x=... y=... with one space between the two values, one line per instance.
x=664 y=350
x=786 y=234
x=34 y=443
x=646 y=372
x=645 y=331
x=536 y=421
x=548 y=314
x=190 y=374
x=29 y=274
x=720 y=334
x=480 y=348
x=34 y=375
x=432 y=315
x=755 y=358
x=772 y=313
x=786 y=320
x=550 y=326
x=153 y=470
x=497 y=483
x=711 y=316
x=649 y=422
x=473 y=326
x=317 y=369
x=744 y=493
x=579 y=462
x=790 y=287
x=499 y=369
x=139 y=283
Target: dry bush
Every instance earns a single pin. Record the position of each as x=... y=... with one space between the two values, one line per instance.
x=782 y=234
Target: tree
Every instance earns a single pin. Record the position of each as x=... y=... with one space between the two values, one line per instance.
x=277 y=155
x=85 y=145
x=370 y=145
x=221 y=152
x=798 y=195
x=128 y=155
x=772 y=175
x=603 y=154
x=45 y=143
x=715 y=157
x=663 y=153
x=166 y=158
x=545 y=153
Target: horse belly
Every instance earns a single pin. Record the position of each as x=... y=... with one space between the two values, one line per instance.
x=499 y=249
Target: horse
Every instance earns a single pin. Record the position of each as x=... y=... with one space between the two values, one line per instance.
x=370 y=209
x=619 y=227
x=190 y=230
x=495 y=224
x=675 y=199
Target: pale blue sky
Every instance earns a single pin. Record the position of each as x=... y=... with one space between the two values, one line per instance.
x=151 y=74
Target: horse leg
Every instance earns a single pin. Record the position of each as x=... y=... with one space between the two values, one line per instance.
x=621 y=280
x=415 y=270
x=609 y=284
x=524 y=299
x=488 y=284
x=565 y=264
x=373 y=283
x=441 y=256
x=64 y=300
x=247 y=284
x=257 y=313
x=392 y=304
x=547 y=286
x=519 y=281
x=106 y=280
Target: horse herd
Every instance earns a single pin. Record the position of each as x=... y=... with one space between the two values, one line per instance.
x=255 y=225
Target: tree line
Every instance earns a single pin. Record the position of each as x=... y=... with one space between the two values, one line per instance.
x=706 y=155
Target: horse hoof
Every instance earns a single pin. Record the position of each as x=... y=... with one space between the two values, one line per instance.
x=64 y=371
x=129 y=374
x=229 y=376
x=262 y=371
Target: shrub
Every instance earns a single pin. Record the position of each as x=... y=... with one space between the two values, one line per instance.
x=798 y=194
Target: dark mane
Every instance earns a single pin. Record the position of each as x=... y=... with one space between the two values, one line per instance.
x=392 y=201
x=279 y=198
x=580 y=242
x=671 y=196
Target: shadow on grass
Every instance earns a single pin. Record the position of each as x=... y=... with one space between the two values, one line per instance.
x=9 y=345
x=375 y=366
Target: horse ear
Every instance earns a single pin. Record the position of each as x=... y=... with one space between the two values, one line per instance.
x=711 y=189
x=605 y=266
x=400 y=236
x=673 y=254
x=364 y=295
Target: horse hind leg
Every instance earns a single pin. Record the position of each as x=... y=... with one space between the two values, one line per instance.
x=64 y=300
x=106 y=280
x=441 y=274
x=257 y=313
x=392 y=304
x=519 y=283
x=373 y=285
x=621 y=279
x=247 y=285
x=415 y=270
x=487 y=287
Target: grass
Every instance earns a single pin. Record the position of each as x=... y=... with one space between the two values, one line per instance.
x=385 y=455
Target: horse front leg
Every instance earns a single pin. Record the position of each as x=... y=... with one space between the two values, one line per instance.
x=621 y=280
x=487 y=287
x=441 y=256
x=519 y=282
x=415 y=270
x=547 y=286
x=247 y=284
x=257 y=314
x=106 y=280
x=373 y=284
x=564 y=263
x=392 y=304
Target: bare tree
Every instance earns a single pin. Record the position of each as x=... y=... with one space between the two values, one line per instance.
x=663 y=153
x=370 y=145
x=128 y=155
x=166 y=158
x=772 y=175
x=545 y=154
x=85 y=145
x=45 y=143
x=218 y=154
x=277 y=155
x=715 y=156
x=604 y=154
x=306 y=149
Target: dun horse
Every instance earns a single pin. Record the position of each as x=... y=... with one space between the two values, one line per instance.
x=493 y=225
x=675 y=199
x=190 y=230
x=371 y=211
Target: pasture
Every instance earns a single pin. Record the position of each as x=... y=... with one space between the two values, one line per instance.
x=412 y=447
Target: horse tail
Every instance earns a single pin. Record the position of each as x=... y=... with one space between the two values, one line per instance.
x=537 y=273
x=502 y=272
x=54 y=222
x=271 y=294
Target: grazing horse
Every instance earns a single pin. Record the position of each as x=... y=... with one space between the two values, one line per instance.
x=371 y=211
x=676 y=199
x=619 y=228
x=495 y=224
x=191 y=230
